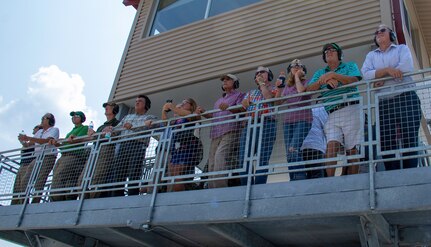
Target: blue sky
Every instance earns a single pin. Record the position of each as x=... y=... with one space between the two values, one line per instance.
x=57 y=56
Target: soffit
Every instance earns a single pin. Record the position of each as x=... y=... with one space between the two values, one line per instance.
x=423 y=9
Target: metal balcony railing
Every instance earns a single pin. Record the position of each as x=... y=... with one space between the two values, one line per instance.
x=170 y=156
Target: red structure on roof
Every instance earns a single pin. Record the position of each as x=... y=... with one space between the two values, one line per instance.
x=134 y=3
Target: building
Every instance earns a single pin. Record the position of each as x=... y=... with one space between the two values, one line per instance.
x=166 y=60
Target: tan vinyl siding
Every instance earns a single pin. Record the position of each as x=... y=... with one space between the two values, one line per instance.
x=264 y=33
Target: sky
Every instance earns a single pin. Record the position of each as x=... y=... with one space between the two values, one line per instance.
x=57 y=56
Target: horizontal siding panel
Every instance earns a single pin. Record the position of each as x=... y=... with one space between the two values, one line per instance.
x=218 y=54
x=238 y=41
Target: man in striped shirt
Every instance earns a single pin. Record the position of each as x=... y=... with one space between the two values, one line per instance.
x=344 y=128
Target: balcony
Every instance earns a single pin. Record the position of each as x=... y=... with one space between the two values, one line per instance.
x=372 y=208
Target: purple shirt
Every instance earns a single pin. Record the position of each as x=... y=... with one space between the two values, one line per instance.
x=233 y=98
x=300 y=115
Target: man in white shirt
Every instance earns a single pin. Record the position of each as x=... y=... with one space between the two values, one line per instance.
x=400 y=109
x=42 y=137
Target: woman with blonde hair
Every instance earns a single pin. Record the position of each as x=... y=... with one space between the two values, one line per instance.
x=297 y=123
x=186 y=148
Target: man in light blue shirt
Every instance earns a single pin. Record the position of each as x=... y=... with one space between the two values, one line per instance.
x=399 y=109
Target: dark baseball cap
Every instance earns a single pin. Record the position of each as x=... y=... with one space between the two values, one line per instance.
x=115 y=108
x=79 y=113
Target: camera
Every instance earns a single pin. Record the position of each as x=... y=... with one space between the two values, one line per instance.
x=168 y=101
x=282 y=78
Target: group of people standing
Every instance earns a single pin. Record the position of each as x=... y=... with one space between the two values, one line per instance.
x=338 y=127
x=309 y=133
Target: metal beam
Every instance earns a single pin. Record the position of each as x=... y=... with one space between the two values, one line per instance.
x=33 y=239
x=17 y=237
x=63 y=236
x=129 y=237
x=369 y=233
x=384 y=231
x=412 y=236
x=239 y=235
x=147 y=238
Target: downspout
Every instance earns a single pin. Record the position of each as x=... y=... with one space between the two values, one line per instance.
x=398 y=21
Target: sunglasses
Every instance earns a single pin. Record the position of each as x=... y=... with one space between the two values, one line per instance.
x=380 y=31
x=43 y=118
x=330 y=50
x=296 y=66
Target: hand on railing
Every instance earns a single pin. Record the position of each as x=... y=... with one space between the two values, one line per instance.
x=245 y=103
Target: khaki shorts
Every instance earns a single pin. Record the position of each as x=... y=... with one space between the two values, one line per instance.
x=346 y=126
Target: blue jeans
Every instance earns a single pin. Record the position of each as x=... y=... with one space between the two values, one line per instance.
x=403 y=112
x=294 y=135
x=268 y=139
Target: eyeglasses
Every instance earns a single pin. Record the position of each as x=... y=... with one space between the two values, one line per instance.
x=330 y=50
x=296 y=66
x=76 y=116
x=43 y=118
x=382 y=30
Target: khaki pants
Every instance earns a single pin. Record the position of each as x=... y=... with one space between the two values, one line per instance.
x=66 y=173
x=24 y=174
x=102 y=169
x=223 y=156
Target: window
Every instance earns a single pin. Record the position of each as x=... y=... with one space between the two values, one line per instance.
x=171 y=14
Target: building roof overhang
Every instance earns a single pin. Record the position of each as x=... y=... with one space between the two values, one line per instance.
x=134 y=3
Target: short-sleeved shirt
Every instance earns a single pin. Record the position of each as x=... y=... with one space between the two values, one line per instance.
x=231 y=99
x=300 y=115
x=50 y=133
x=255 y=96
x=347 y=69
x=77 y=131
x=136 y=120
x=113 y=122
x=316 y=138
x=397 y=57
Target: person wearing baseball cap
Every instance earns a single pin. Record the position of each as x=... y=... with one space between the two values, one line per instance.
x=71 y=163
x=344 y=128
x=252 y=103
x=224 y=137
x=106 y=152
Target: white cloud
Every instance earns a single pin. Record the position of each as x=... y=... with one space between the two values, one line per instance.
x=7 y=106
x=50 y=90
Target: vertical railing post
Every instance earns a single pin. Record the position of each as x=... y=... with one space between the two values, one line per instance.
x=94 y=151
x=371 y=143
x=31 y=182
x=250 y=159
x=160 y=159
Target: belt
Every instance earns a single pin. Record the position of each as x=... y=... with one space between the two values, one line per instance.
x=267 y=119
x=342 y=105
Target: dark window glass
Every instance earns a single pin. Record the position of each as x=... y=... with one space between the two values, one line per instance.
x=171 y=14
